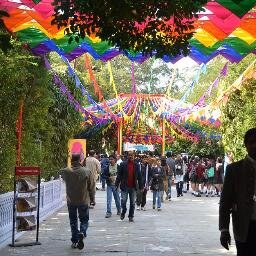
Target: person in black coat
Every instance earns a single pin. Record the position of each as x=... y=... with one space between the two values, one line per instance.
x=129 y=179
x=239 y=198
x=145 y=170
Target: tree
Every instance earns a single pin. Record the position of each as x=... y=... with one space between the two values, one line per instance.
x=151 y=27
x=239 y=116
x=49 y=121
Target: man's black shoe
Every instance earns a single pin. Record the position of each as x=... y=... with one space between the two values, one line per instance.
x=122 y=216
x=131 y=219
x=74 y=245
x=80 y=244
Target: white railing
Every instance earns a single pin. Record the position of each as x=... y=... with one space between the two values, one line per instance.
x=51 y=200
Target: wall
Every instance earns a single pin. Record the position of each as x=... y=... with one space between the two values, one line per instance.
x=50 y=201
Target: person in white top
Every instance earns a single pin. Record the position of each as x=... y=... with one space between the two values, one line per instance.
x=119 y=160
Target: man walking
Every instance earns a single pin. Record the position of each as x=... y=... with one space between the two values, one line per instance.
x=110 y=175
x=129 y=179
x=145 y=171
x=80 y=187
x=239 y=198
x=94 y=166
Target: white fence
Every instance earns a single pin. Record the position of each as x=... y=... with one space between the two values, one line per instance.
x=50 y=201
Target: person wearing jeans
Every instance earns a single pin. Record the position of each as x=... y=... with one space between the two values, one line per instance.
x=157 y=185
x=83 y=213
x=110 y=175
x=131 y=192
x=157 y=199
x=129 y=179
x=80 y=188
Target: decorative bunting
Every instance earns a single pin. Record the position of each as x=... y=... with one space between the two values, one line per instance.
x=225 y=28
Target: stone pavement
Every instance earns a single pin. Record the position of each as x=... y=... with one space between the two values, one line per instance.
x=185 y=226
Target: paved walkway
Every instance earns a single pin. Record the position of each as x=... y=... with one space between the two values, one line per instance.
x=185 y=226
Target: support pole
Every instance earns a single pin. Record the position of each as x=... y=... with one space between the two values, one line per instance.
x=163 y=137
x=119 y=136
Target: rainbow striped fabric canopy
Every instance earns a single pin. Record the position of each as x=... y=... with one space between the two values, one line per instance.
x=226 y=27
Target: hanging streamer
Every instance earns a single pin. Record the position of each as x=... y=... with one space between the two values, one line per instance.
x=134 y=90
x=97 y=89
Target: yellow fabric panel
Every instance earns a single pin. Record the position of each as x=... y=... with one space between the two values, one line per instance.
x=205 y=38
x=244 y=35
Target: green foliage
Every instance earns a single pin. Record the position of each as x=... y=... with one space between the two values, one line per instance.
x=238 y=116
x=48 y=119
x=5 y=38
x=140 y=26
x=205 y=148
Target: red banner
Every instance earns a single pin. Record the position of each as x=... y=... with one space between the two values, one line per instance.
x=27 y=170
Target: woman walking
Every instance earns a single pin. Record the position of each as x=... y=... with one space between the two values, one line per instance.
x=157 y=185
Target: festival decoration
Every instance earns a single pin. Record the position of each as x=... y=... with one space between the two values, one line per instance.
x=205 y=113
x=226 y=28
x=144 y=118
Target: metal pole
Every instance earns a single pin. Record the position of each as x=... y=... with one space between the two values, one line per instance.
x=38 y=206
x=163 y=137
x=119 y=137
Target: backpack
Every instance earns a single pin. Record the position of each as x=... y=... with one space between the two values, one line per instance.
x=210 y=172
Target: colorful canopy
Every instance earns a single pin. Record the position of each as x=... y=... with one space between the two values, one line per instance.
x=225 y=27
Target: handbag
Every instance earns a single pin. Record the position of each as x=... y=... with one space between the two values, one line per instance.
x=210 y=172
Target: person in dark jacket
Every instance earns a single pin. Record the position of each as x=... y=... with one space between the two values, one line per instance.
x=145 y=170
x=157 y=184
x=129 y=179
x=110 y=174
x=104 y=163
x=239 y=198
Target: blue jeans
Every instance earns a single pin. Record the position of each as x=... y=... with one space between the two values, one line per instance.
x=111 y=189
x=103 y=183
x=157 y=197
x=124 y=197
x=169 y=187
x=83 y=213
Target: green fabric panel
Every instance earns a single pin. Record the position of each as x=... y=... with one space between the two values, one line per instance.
x=32 y=36
x=100 y=47
x=238 y=44
x=65 y=45
x=205 y=50
x=238 y=7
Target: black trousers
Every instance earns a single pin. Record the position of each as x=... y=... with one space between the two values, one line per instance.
x=179 y=188
x=248 y=248
x=141 y=198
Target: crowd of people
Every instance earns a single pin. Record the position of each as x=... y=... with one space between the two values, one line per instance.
x=200 y=176
x=132 y=176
